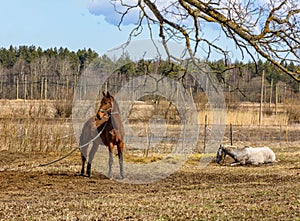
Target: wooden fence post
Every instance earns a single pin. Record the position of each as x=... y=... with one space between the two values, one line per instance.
x=25 y=87
x=31 y=88
x=271 y=92
x=205 y=133
x=261 y=97
x=231 y=138
x=276 y=97
x=45 y=88
x=67 y=88
x=42 y=88
x=17 y=88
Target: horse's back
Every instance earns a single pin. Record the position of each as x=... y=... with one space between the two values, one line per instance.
x=90 y=129
x=87 y=130
x=271 y=155
x=259 y=155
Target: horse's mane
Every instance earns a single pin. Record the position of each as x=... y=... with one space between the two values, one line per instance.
x=116 y=118
x=229 y=147
x=116 y=107
x=234 y=151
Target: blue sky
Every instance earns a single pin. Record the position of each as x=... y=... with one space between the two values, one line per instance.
x=75 y=24
x=48 y=23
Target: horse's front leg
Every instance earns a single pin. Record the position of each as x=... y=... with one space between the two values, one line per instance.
x=238 y=162
x=120 y=155
x=223 y=158
x=235 y=163
x=110 y=160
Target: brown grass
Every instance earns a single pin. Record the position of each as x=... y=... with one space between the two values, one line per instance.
x=245 y=116
x=36 y=134
x=267 y=192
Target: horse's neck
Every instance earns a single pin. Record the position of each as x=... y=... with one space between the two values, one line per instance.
x=231 y=153
x=115 y=114
x=116 y=120
x=115 y=108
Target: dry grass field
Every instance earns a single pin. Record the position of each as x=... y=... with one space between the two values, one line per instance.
x=268 y=192
x=56 y=192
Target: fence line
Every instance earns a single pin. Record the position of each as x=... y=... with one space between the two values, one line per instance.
x=50 y=87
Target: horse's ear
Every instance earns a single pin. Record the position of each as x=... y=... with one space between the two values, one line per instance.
x=104 y=95
x=108 y=94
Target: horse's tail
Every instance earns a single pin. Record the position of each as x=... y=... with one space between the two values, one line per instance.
x=83 y=135
x=86 y=134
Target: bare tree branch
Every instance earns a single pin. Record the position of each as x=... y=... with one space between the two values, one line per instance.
x=270 y=27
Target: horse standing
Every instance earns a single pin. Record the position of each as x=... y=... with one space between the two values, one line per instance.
x=108 y=123
x=246 y=155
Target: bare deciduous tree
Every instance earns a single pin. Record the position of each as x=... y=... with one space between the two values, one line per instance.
x=270 y=27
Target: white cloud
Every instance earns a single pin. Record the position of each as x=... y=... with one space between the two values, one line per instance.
x=110 y=8
x=171 y=10
x=110 y=12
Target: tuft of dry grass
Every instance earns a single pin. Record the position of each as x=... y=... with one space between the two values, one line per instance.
x=245 y=116
x=37 y=134
x=293 y=111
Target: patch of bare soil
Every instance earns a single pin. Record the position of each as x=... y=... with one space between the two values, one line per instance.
x=56 y=192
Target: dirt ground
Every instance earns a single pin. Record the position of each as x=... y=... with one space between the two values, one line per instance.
x=56 y=192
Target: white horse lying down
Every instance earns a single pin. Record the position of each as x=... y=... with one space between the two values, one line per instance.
x=246 y=155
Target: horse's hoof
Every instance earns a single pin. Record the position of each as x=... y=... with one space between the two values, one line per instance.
x=110 y=177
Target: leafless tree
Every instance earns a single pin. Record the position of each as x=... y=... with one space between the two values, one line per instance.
x=270 y=27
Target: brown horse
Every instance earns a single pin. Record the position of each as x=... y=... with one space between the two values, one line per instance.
x=108 y=123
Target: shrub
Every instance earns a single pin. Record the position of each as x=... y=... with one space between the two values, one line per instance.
x=293 y=110
x=63 y=108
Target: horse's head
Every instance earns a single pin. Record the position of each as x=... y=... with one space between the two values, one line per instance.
x=220 y=155
x=106 y=106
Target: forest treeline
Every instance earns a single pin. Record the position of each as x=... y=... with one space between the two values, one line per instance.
x=30 y=72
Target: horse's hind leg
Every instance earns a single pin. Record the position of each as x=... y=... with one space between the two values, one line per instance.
x=111 y=159
x=91 y=157
x=83 y=159
x=120 y=155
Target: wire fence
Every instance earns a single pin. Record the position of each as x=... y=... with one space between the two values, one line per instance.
x=53 y=87
x=58 y=135
x=38 y=134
